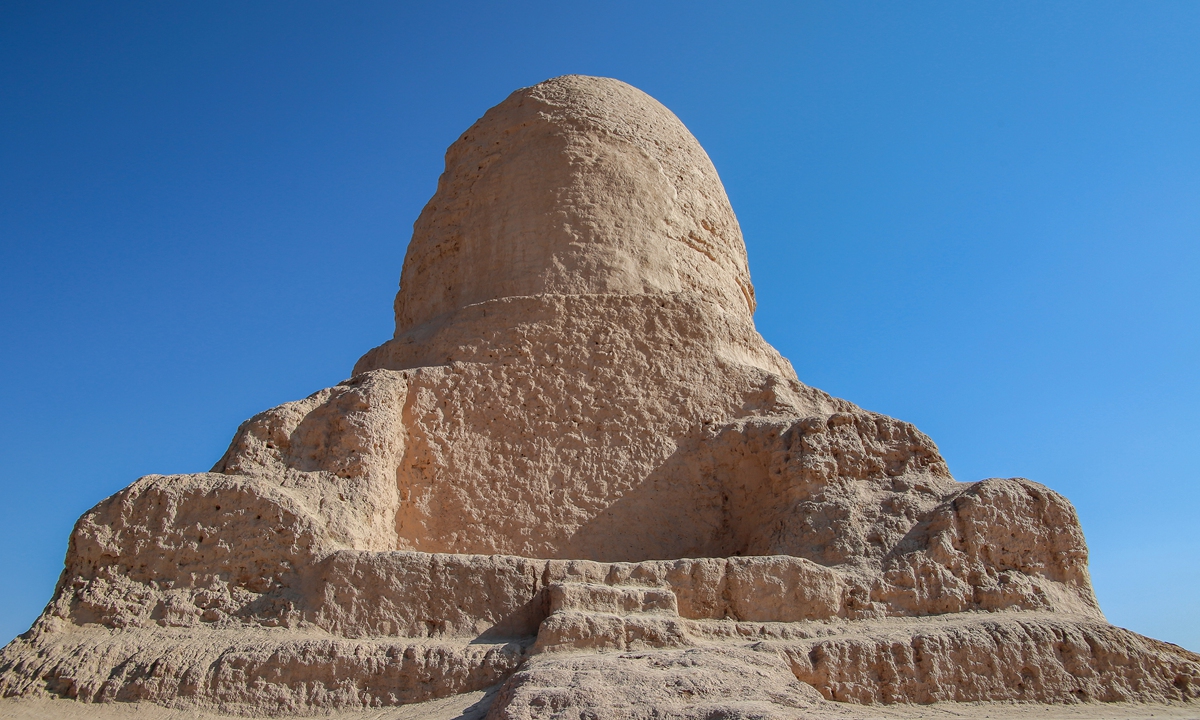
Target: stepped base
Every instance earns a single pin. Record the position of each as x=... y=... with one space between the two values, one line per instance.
x=608 y=650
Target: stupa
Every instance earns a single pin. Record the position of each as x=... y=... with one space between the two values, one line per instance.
x=578 y=473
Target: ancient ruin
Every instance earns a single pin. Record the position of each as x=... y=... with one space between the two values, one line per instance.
x=577 y=470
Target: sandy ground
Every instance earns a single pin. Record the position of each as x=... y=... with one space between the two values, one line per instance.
x=473 y=706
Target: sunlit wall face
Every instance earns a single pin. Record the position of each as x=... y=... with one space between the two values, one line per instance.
x=978 y=218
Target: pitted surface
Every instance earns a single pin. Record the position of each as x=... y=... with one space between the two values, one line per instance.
x=578 y=185
x=577 y=445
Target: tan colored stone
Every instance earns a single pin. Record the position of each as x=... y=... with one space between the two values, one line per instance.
x=578 y=457
x=616 y=600
x=698 y=683
x=249 y=671
x=1027 y=657
x=575 y=186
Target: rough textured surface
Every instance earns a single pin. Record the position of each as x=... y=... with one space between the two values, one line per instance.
x=475 y=705
x=576 y=186
x=252 y=672
x=1011 y=656
x=578 y=457
x=1043 y=659
x=686 y=683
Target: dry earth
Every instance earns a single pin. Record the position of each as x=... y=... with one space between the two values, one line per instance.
x=578 y=474
x=474 y=706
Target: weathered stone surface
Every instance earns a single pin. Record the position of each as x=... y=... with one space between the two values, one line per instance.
x=1011 y=656
x=249 y=671
x=577 y=456
x=696 y=683
x=576 y=186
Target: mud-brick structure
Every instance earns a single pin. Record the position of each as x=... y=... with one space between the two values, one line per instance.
x=578 y=470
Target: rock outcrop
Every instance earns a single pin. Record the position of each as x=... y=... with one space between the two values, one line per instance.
x=578 y=469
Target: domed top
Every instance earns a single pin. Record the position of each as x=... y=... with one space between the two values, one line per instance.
x=577 y=185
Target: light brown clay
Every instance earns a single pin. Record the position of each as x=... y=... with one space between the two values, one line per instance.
x=579 y=470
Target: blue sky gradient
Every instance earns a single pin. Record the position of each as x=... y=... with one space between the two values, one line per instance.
x=980 y=218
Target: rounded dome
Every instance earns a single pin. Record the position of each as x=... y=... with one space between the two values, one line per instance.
x=577 y=185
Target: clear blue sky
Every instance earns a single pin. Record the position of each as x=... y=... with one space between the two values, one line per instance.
x=981 y=218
